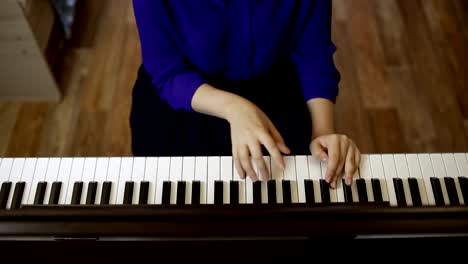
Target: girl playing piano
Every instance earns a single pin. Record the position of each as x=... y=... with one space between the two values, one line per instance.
x=242 y=78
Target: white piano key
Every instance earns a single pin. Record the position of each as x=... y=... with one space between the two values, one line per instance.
x=126 y=168
x=201 y=175
x=403 y=173
x=175 y=175
x=277 y=175
x=188 y=175
x=315 y=174
x=425 y=164
x=439 y=172
x=302 y=173
x=213 y=175
x=462 y=164
x=264 y=183
x=226 y=177
x=290 y=174
x=28 y=177
x=365 y=172
x=64 y=178
x=39 y=175
x=452 y=171
x=390 y=173
x=324 y=168
x=76 y=173
x=164 y=164
x=249 y=189
x=138 y=175
x=415 y=172
x=241 y=183
x=51 y=176
x=5 y=169
x=113 y=175
x=89 y=170
x=151 y=171
x=378 y=173
x=102 y=166
x=15 y=176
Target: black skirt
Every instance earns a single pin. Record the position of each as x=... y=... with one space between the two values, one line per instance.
x=159 y=130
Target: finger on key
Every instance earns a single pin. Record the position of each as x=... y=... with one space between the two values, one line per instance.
x=247 y=163
x=350 y=166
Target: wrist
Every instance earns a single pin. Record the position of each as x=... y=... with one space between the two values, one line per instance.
x=322 y=132
x=212 y=101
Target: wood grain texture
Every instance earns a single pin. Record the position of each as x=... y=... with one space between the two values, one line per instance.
x=386 y=131
x=60 y=123
x=367 y=46
x=25 y=137
x=434 y=74
x=352 y=119
x=107 y=58
x=403 y=86
x=8 y=113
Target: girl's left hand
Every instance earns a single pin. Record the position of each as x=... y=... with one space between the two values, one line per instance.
x=341 y=153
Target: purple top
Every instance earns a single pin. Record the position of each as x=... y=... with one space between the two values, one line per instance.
x=184 y=42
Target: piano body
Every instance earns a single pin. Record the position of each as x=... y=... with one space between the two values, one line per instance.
x=79 y=199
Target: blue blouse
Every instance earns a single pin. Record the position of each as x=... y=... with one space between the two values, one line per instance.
x=184 y=42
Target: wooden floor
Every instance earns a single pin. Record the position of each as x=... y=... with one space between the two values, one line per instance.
x=403 y=68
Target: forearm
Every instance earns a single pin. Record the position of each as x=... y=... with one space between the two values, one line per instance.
x=322 y=115
x=212 y=101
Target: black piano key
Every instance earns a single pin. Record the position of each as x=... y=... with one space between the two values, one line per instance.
x=362 y=190
x=17 y=195
x=399 y=191
x=376 y=190
x=4 y=193
x=105 y=194
x=451 y=191
x=166 y=193
x=55 y=192
x=348 y=193
x=181 y=193
x=128 y=192
x=271 y=192
x=196 y=186
x=414 y=189
x=257 y=192
x=76 y=194
x=309 y=191
x=91 y=195
x=218 y=192
x=286 y=192
x=234 y=192
x=437 y=191
x=143 y=195
x=324 y=191
x=40 y=193
x=464 y=188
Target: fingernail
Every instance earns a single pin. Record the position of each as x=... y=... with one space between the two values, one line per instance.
x=348 y=181
x=333 y=185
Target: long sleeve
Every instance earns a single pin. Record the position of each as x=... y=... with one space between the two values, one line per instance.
x=313 y=55
x=173 y=75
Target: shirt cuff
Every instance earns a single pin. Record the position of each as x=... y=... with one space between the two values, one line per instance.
x=180 y=90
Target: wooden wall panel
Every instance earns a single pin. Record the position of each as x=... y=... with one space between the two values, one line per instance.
x=24 y=72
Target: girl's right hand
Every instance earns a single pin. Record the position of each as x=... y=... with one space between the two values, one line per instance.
x=251 y=128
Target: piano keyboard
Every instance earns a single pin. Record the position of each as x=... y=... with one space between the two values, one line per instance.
x=401 y=180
